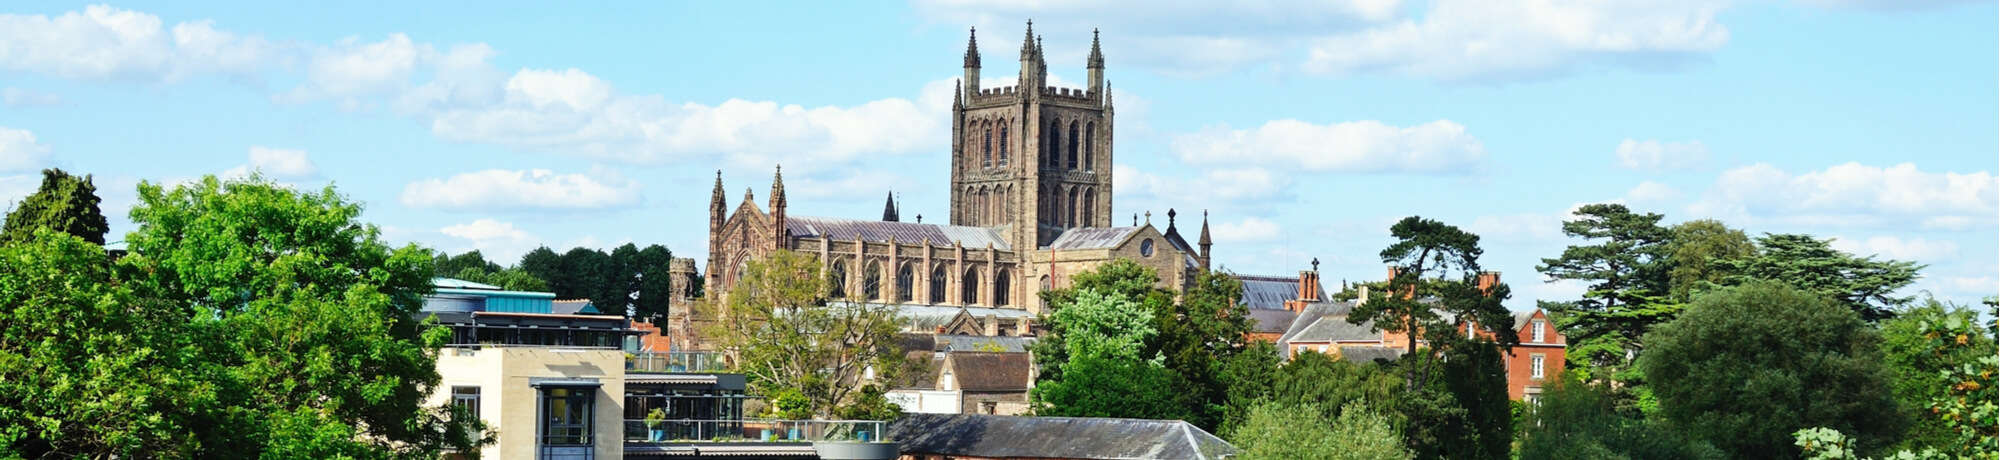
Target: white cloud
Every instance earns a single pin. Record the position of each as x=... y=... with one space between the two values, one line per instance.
x=1972 y=286
x=1655 y=156
x=1652 y=192
x=1439 y=147
x=1220 y=189
x=1524 y=227
x=1887 y=5
x=1854 y=194
x=1175 y=36
x=497 y=240
x=281 y=164
x=1498 y=40
x=863 y=184
x=1250 y=230
x=536 y=189
x=106 y=43
x=1547 y=289
x=20 y=152
x=17 y=97
x=1917 y=249
x=16 y=187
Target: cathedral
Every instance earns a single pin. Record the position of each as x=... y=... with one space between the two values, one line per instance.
x=1030 y=206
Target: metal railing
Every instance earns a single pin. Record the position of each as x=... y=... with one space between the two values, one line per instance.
x=753 y=430
x=676 y=361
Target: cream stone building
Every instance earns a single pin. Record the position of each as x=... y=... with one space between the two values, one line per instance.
x=1031 y=206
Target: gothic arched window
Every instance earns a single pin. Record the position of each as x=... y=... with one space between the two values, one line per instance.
x=1070 y=214
x=1072 y=145
x=871 y=281
x=986 y=147
x=937 y=285
x=1053 y=147
x=1089 y=207
x=1089 y=146
x=969 y=287
x=906 y=281
x=1001 y=284
x=1003 y=143
x=1045 y=287
x=836 y=278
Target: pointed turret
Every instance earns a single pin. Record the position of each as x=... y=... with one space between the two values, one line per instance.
x=889 y=213
x=1030 y=81
x=1096 y=65
x=780 y=237
x=1205 y=242
x=717 y=209
x=971 y=83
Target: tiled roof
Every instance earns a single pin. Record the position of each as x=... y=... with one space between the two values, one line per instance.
x=1312 y=314
x=876 y=231
x=983 y=343
x=1271 y=321
x=1093 y=238
x=1007 y=436
x=1270 y=292
x=1335 y=329
x=979 y=371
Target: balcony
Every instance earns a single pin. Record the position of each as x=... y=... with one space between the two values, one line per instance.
x=826 y=439
x=676 y=362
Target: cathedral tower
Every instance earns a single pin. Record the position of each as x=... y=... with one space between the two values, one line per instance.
x=1032 y=159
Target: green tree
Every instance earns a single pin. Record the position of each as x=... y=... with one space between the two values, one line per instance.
x=779 y=330
x=450 y=266
x=1476 y=376
x=1697 y=247
x=545 y=265
x=64 y=203
x=652 y=268
x=512 y=279
x=1942 y=361
x=298 y=316
x=1862 y=284
x=1119 y=278
x=1201 y=334
x=1581 y=420
x=1747 y=366
x=1312 y=379
x=1436 y=277
x=1106 y=375
x=88 y=369
x=1628 y=293
x=1276 y=431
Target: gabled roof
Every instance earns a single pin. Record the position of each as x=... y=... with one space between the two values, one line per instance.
x=1271 y=292
x=876 y=231
x=1271 y=321
x=1093 y=238
x=983 y=343
x=1336 y=329
x=980 y=371
x=1313 y=313
x=1006 y=436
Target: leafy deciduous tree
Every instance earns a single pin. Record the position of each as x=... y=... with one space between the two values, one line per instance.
x=1275 y=431
x=1697 y=247
x=784 y=335
x=64 y=203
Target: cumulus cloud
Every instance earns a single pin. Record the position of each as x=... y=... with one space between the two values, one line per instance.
x=1854 y=194
x=1917 y=249
x=1493 y=40
x=17 y=97
x=1250 y=230
x=1220 y=189
x=1887 y=5
x=1439 y=147
x=1655 y=156
x=104 y=43
x=535 y=189
x=20 y=152
x=1447 y=40
x=855 y=184
x=281 y=164
x=1524 y=227
x=497 y=240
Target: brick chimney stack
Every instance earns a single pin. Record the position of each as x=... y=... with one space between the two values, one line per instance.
x=1487 y=280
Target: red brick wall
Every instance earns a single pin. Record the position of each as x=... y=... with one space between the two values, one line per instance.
x=1520 y=362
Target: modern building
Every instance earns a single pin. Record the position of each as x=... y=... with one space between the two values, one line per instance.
x=555 y=381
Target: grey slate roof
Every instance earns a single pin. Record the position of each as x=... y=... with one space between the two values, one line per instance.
x=1271 y=321
x=1335 y=329
x=1093 y=238
x=977 y=371
x=1359 y=354
x=1313 y=313
x=1006 y=436
x=983 y=343
x=929 y=317
x=1270 y=292
x=1521 y=318
x=875 y=231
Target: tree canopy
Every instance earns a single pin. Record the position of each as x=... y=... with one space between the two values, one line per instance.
x=1862 y=284
x=1629 y=277
x=63 y=203
x=1747 y=366
x=779 y=329
x=1435 y=292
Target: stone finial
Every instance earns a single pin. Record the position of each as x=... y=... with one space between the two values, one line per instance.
x=972 y=49
x=1028 y=42
x=1096 y=54
x=889 y=209
x=1135 y=219
x=1149 y=218
x=777 y=188
x=1204 y=230
x=1170 y=219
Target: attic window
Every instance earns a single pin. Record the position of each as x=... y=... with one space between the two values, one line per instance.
x=1539 y=337
x=1146 y=248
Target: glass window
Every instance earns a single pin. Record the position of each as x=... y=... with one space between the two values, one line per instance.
x=1535 y=366
x=466 y=400
x=871 y=281
x=1001 y=284
x=937 y=285
x=1539 y=326
x=1146 y=248
x=838 y=279
x=906 y=282
x=566 y=416
x=969 y=292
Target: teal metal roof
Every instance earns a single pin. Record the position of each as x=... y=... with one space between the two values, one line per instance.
x=455 y=283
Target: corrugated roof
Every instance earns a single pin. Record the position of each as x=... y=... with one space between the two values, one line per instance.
x=455 y=283
x=876 y=231
x=1093 y=238
x=1007 y=436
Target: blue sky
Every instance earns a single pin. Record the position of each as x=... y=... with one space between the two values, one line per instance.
x=1304 y=128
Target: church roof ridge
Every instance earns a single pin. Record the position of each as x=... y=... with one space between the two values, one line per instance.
x=875 y=231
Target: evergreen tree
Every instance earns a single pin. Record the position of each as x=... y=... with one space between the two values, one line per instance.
x=64 y=203
x=1630 y=280
x=1862 y=284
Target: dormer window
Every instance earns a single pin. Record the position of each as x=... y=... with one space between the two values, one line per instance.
x=1540 y=335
